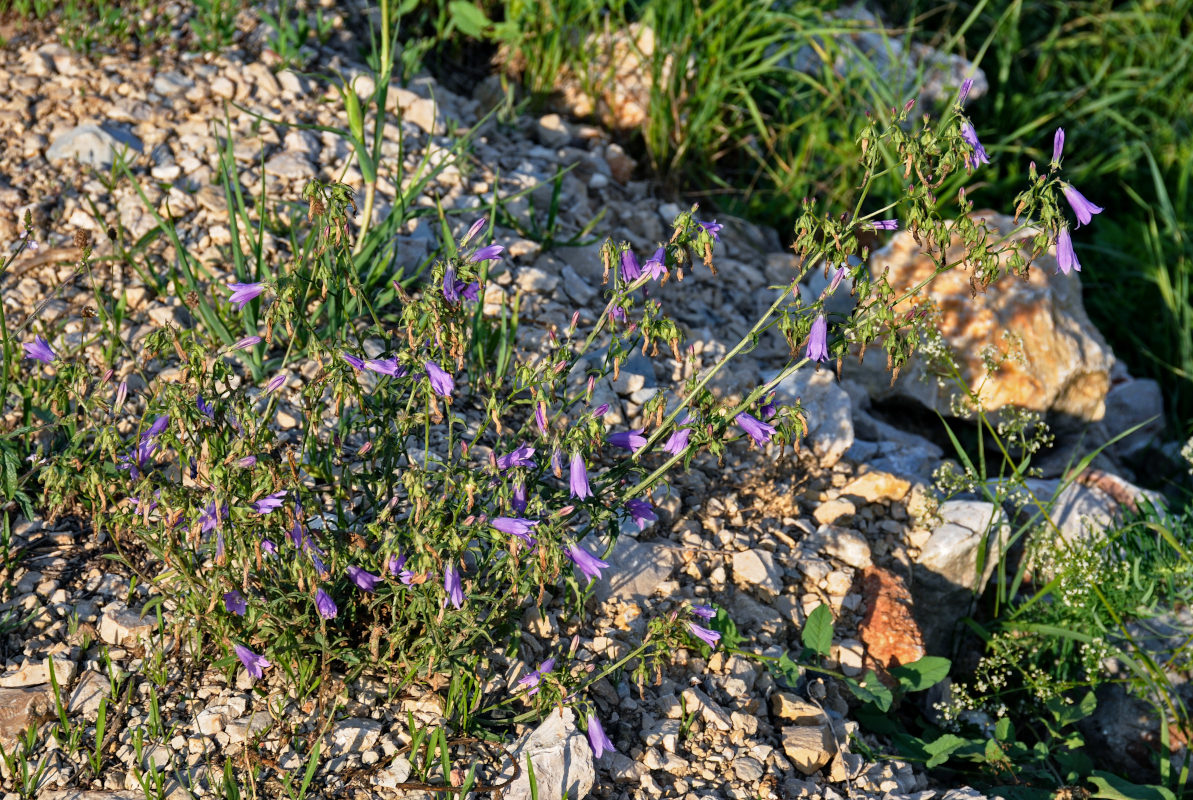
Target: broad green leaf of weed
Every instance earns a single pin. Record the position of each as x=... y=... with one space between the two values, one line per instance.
x=1112 y=787
x=940 y=750
x=817 y=634
x=871 y=690
x=922 y=674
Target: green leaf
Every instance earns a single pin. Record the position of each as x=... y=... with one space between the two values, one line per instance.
x=1067 y=714
x=468 y=18
x=1004 y=731
x=922 y=674
x=942 y=748
x=818 y=630
x=1115 y=788
x=994 y=753
x=788 y=670
x=871 y=690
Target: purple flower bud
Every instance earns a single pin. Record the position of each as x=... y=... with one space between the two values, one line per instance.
x=966 y=85
x=760 y=432
x=586 y=562
x=578 y=479
x=704 y=634
x=979 y=153
x=1083 y=208
x=1066 y=259
x=453 y=586
x=325 y=605
x=121 y=395
x=476 y=228
x=631 y=440
x=205 y=408
x=275 y=384
x=365 y=581
x=838 y=276
x=442 y=383
x=882 y=225
x=818 y=340
x=557 y=463
x=357 y=363
x=39 y=349
x=704 y=612
x=1058 y=146
x=597 y=738
x=518 y=498
x=246 y=343
x=242 y=293
x=234 y=603
x=540 y=416
x=246 y=462
x=490 y=253
x=253 y=663
x=601 y=410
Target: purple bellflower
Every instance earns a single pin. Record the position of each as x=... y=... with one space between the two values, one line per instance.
x=540 y=416
x=268 y=547
x=704 y=634
x=1058 y=146
x=533 y=679
x=442 y=382
x=159 y=425
x=578 y=478
x=325 y=605
x=518 y=498
x=586 y=562
x=242 y=293
x=490 y=253
x=1066 y=259
x=453 y=587
x=979 y=153
x=759 y=431
x=818 y=340
x=641 y=511
x=631 y=440
x=205 y=408
x=520 y=457
x=247 y=342
x=1083 y=208
x=275 y=383
x=397 y=568
x=966 y=85
x=385 y=366
x=253 y=663
x=476 y=228
x=882 y=225
x=630 y=271
x=365 y=581
x=357 y=363
x=516 y=526
x=597 y=738
x=39 y=349
x=656 y=265
x=234 y=602
x=269 y=502
x=704 y=612
x=713 y=229
x=246 y=462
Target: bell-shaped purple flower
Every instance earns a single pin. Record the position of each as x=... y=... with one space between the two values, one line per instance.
x=450 y=292
x=39 y=349
x=818 y=340
x=533 y=679
x=597 y=738
x=713 y=229
x=268 y=547
x=234 y=603
x=586 y=562
x=365 y=581
x=656 y=265
x=453 y=586
x=759 y=431
x=490 y=253
x=1083 y=208
x=518 y=498
x=641 y=511
x=578 y=477
x=979 y=153
x=1058 y=146
x=242 y=293
x=269 y=502
x=519 y=457
x=1066 y=259
x=254 y=664
x=357 y=363
x=385 y=366
x=157 y=428
x=704 y=612
x=516 y=526
x=704 y=634
x=325 y=605
x=630 y=271
x=442 y=382
x=246 y=462
x=205 y=408
x=631 y=440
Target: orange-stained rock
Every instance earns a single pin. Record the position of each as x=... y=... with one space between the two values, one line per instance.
x=888 y=629
x=1065 y=365
x=876 y=486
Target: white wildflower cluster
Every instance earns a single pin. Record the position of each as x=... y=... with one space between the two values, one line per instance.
x=1026 y=427
x=950 y=479
x=1094 y=656
x=1187 y=453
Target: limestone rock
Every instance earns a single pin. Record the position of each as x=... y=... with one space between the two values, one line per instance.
x=637 y=570
x=354 y=736
x=562 y=758
x=795 y=709
x=809 y=747
x=756 y=569
x=876 y=486
x=1065 y=365
x=120 y=625
x=843 y=544
x=827 y=408
x=20 y=708
x=93 y=145
x=38 y=672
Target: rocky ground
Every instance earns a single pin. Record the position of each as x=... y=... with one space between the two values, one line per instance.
x=848 y=521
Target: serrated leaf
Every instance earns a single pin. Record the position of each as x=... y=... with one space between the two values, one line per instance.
x=942 y=748
x=1113 y=787
x=871 y=690
x=817 y=634
x=922 y=674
